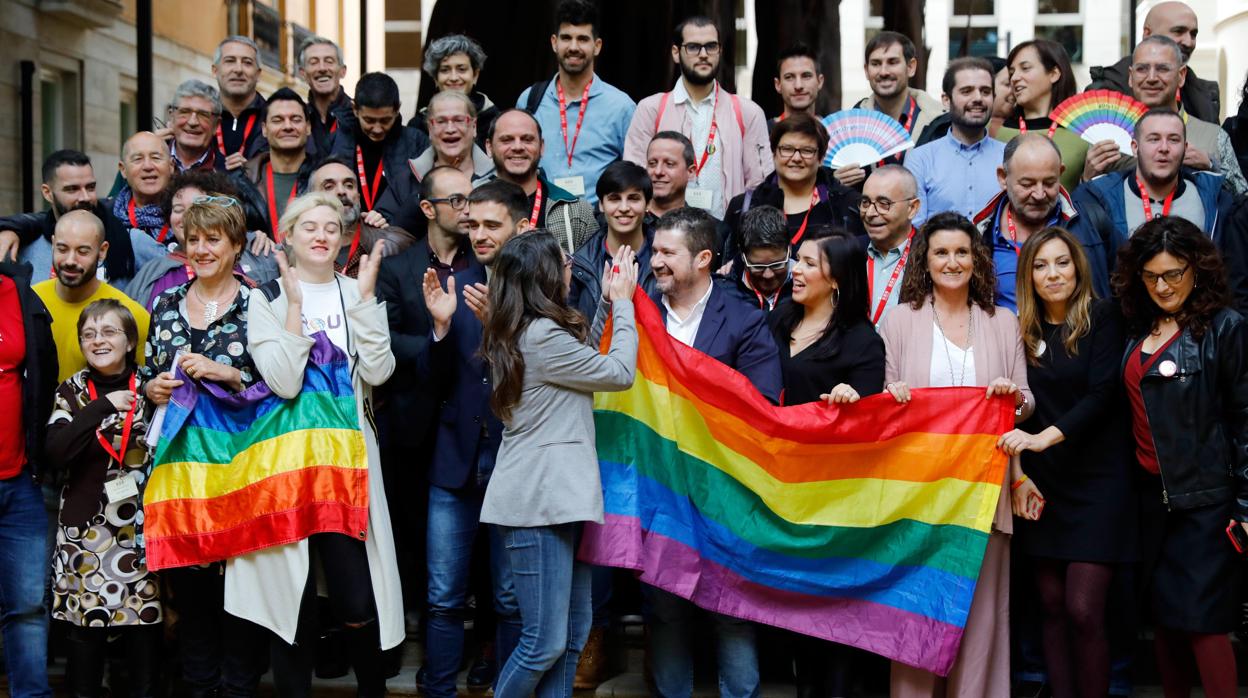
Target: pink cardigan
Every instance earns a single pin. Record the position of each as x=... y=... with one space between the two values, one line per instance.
x=746 y=159
x=998 y=349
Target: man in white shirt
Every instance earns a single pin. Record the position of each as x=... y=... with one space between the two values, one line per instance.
x=713 y=318
x=729 y=134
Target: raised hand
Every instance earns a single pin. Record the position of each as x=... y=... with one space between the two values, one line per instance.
x=441 y=304
x=370 y=264
x=477 y=296
x=290 y=280
x=622 y=281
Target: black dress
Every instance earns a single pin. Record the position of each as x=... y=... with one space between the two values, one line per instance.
x=853 y=355
x=1089 y=513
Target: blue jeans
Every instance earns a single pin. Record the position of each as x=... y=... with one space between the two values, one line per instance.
x=670 y=640
x=453 y=517
x=553 y=591
x=24 y=570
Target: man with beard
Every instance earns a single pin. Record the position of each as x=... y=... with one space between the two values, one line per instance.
x=194 y=113
x=1159 y=185
x=374 y=139
x=1178 y=22
x=334 y=177
x=69 y=185
x=1157 y=72
x=889 y=204
x=236 y=66
x=966 y=149
x=562 y=104
x=712 y=317
x=466 y=443
x=798 y=81
x=763 y=270
x=515 y=143
x=729 y=134
x=1032 y=198
x=321 y=67
x=276 y=176
x=889 y=64
x=670 y=164
x=78 y=248
x=406 y=409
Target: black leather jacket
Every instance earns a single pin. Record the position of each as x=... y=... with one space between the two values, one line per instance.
x=1199 y=415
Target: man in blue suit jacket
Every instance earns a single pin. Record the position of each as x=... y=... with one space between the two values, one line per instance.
x=465 y=445
x=715 y=319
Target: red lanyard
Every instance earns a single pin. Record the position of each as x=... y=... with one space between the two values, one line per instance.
x=186 y=263
x=333 y=128
x=563 y=116
x=1009 y=225
x=370 y=197
x=764 y=302
x=1148 y=204
x=134 y=222
x=125 y=429
x=892 y=280
x=355 y=242
x=710 y=135
x=277 y=235
x=1022 y=127
x=537 y=205
x=814 y=199
x=912 y=111
x=251 y=122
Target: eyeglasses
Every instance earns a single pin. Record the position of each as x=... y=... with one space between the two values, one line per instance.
x=882 y=205
x=1171 y=277
x=455 y=201
x=1142 y=70
x=106 y=333
x=184 y=114
x=444 y=121
x=693 y=49
x=788 y=151
x=775 y=267
x=222 y=201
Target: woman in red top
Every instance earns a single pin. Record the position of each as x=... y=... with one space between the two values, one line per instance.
x=1186 y=375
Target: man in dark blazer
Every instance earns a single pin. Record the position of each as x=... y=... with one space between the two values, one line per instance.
x=466 y=442
x=407 y=413
x=712 y=317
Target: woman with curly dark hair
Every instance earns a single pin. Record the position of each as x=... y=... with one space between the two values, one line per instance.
x=545 y=366
x=1186 y=374
x=946 y=332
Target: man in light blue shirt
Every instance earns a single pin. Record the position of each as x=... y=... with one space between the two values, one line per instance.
x=959 y=171
x=589 y=142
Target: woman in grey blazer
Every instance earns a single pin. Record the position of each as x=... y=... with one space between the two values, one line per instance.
x=545 y=366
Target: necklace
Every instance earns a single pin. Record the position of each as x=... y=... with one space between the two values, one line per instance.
x=970 y=334
x=211 y=307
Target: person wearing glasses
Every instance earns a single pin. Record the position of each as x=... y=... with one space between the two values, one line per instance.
x=1185 y=369
x=800 y=186
x=761 y=270
x=194 y=113
x=888 y=206
x=728 y=132
x=1159 y=185
x=451 y=120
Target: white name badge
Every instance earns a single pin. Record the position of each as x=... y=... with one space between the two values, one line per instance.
x=574 y=185
x=699 y=198
x=121 y=488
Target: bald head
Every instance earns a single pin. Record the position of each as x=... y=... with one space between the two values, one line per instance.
x=898 y=180
x=78 y=247
x=894 y=188
x=1175 y=20
x=1031 y=175
x=77 y=223
x=1034 y=148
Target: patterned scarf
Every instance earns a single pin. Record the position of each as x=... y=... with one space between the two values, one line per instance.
x=148 y=217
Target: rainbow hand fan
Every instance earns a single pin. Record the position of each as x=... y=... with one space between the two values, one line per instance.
x=1101 y=115
x=863 y=136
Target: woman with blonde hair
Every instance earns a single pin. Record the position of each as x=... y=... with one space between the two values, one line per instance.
x=1074 y=498
x=276 y=587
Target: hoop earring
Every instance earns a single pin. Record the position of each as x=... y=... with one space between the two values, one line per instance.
x=836 y=297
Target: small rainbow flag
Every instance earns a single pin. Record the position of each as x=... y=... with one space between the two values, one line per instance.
x=864 y=525
x=236 y=473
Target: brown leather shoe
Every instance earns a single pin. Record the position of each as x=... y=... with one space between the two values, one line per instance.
x=592 y=667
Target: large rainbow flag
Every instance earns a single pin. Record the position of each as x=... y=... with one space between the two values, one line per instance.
x=235 y=473
x=864 y=524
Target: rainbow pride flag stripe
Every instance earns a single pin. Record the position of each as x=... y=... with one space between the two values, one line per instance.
x=236 y=473
x=864 y=525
